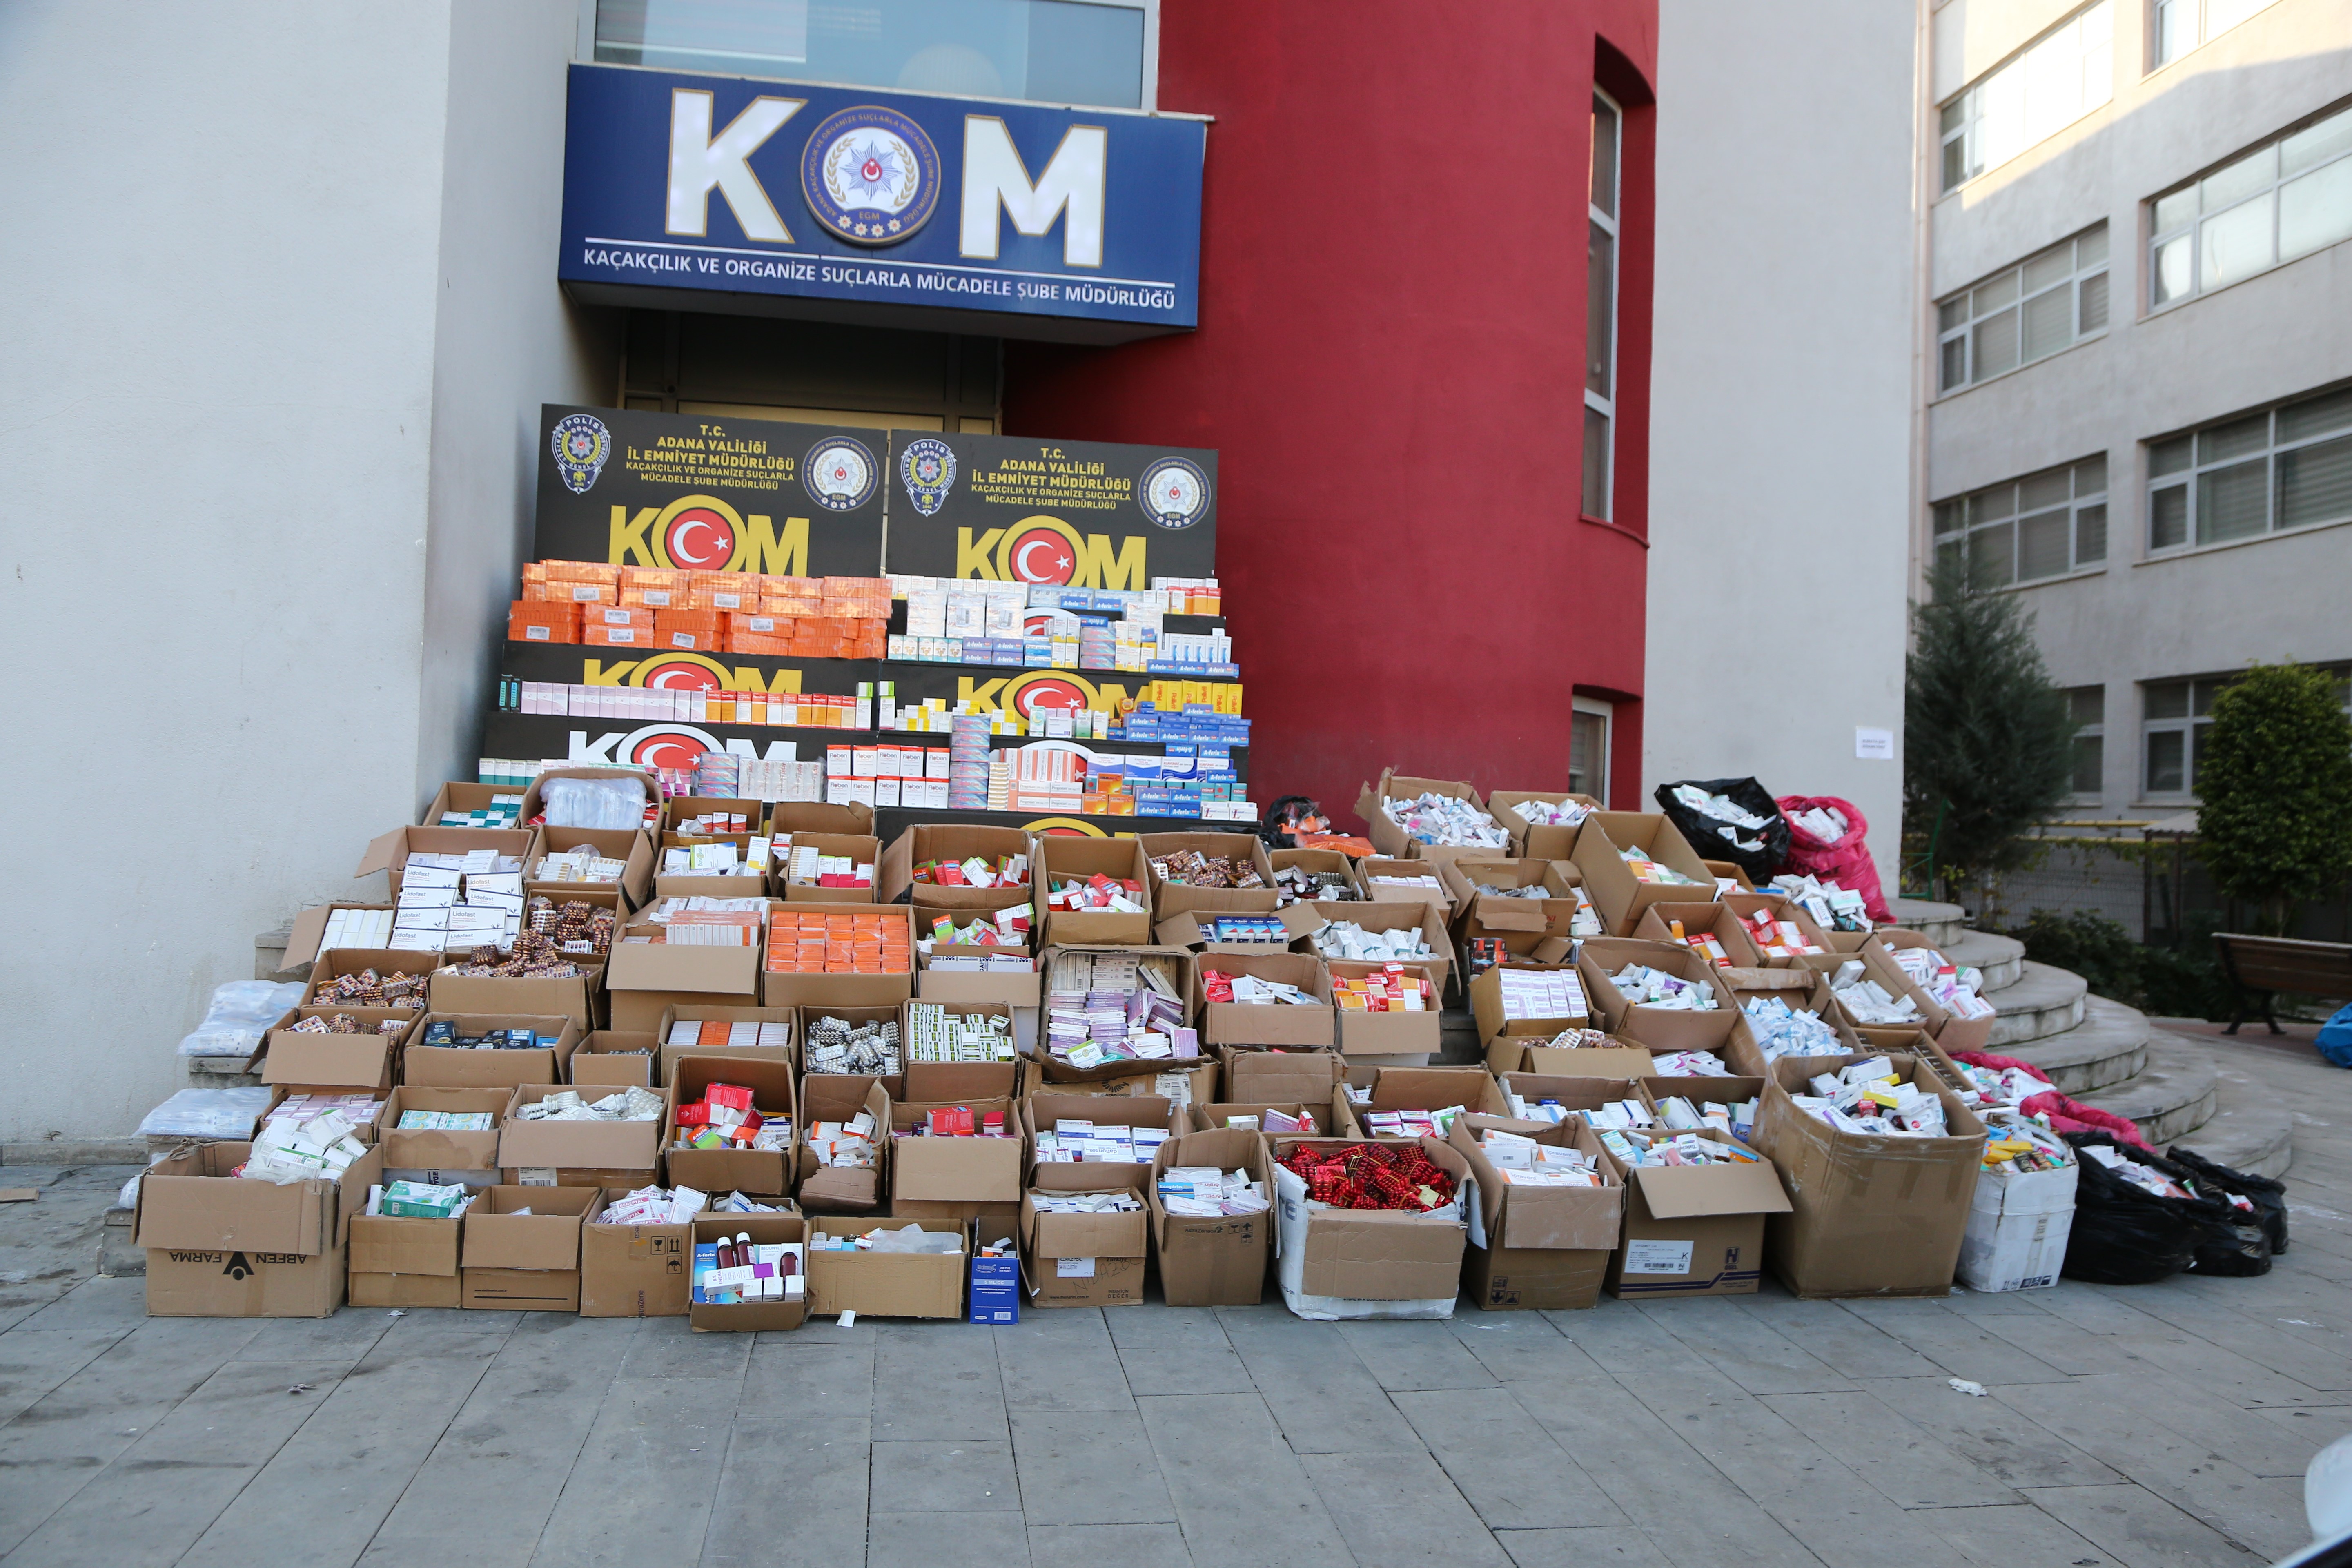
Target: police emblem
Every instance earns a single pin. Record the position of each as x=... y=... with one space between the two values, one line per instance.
x=928 y=469
x=871 y=175
x=839 y=473
x=581 y=444
x=1173 y=492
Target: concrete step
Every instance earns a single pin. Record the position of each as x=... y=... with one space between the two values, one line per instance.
x=2041 y=1001
x=2003 y=958
x=1939 y=924
x=2175 y=1095
x=2251 y=1129
x=2107 y=1048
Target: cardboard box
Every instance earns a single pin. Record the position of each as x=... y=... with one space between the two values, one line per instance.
x=1515 y=922
x=1617 y=896
x=930 y=841
x=1190 y=930
x=1348 y=1263
x=1873 y=1215
x=1539 y=1248
x=1619 y=1060
x=624 y=1155
x=627 y=846
x=398 y=1262
x=617 y=1056
x=859 y=849
x=1392 y=840
x=462 y=795
x=220 y=1247
x=1572 y=1090
x=805 y=1019
x=830 y=991
x=515 y=1262
x=1121 y=859
x=1279 y=1076
x=1694 y=1230
x=964 y=990
x=839 y=1097
x=955 y=1178
x=761 y=1173
x=300 y=1060
x=1086 y=1260
x=384 y=961
x=677 y=809
x=887 y=1284
x=1807 y=991
x=635 y=1270
x=647 y=980
x=1952 y=1033
x=1331 y=1117
x=390 y=852
x=441 y=1067
x=666 y=1055
x=1429 y=1088
x=2017 y=1229
x=1320 y=860
x=1415 y=914
x=994 y=1293
x=1661 y=1028
x=1169 y=898
x=310 y=929
x=748 y=1317
x=1369 y=870
x=1219 y=1261
x=1268 y=1023
x=1506 y=1037
x=852 y=818
x=1044 y=1110
x=430 y=1149
x=1537 y=840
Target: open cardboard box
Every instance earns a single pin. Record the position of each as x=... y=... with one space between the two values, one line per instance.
x=461 y=796
x=748 y=1317
x=1497 y=1031
x=1046 y=1111
x=780 y=988
x=850 y=818
x=648 y=979
x=933 y=841
x=1393 y=841
x=333 y=965
x=1478 y=914
x=1348 y=1263
x=678 y=809
x=310 y=930
x=955 y=1180
x=1661 y=1028
x=625 y=844
x=442 y=1067
x=1331 y=1116
x=1192 y=930
x=1268 y=1023
x=402 y=1262
x=1618 y=895
x=1569 y=1091
x=1742 y=1050
x=762 y=1173
x=574 y=996
x=893 y=1084
x=1694 y=1230
x=1428 y=1088
x=300 y=1060
x=1366 y=1033
x=635 y=1270
x=622 y=1154
x=515 y=1261
x=220 y=1247
x=1879 y=965
x=1279 y=1076
x=1176 y=898
x=1062 y=856
x=1728 y=871
x=1086 y=1260
x=1617 y=1059
x=699 y=1015
x=428 y=1148
x=1537 y=840
x=963 y=989
x=1538 y=1247
x=1723 y=917
x=1327 y=861
x=1216 y=1262
x=1371 y=869
x=1421 y=916
x=1873 y=1215
x=1953 y=1033
x=844 y=1189
x=887 y=1284
x=617 y=1056
x=390 y=853
x=858 y=848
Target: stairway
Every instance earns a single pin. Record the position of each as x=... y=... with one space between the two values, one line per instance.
x=2105 y=1054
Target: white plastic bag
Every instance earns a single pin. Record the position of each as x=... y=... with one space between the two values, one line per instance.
x=239 y=1012
x=607 y=803
x=217 y=1114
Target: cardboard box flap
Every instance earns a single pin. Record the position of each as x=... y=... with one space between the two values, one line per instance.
x=658 y=966
x=310 y=929
x=1509 y=914
x=1682 y=1192
x=1613 y=1063
x=384 y=1245
x=1564 y=1219
x=1090 y=1235
x=380 y=851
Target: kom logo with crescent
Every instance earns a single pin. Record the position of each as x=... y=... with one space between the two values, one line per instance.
x=696 y=534
x=1039 y=550
x=664 y=746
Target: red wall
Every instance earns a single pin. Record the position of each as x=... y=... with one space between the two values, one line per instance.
x=1390 y=362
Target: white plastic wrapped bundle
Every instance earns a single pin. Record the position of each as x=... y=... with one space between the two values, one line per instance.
x=237 y=1015
x=605 y=803
x=215 y=1114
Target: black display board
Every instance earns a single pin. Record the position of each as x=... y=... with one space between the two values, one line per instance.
x=1092 y=514
x=709 y=492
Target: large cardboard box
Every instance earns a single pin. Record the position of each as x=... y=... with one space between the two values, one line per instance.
x=1086 y=1260
x=847 y=989
x=573 y=996
x=858 y=848
x=442 y=1067
x=385 y=961
x=1350 y=1264
x=1175 y=899
x=1537 y=840
x=1662 y=1029
x=749 y=1317
x=2017 y=1229
x=961 y=989
x=1366 y=1033
x=646 y=979
x=1807 y=991
x=1694 y=1230
x=220 y=1247
x=1369 y=870
x=617 y=1056
x=1326 y=861
x=1570 y=1091
x=762 y=1173
x=635 y=1270
x=511 y=1261
x=853 y=818
x=932 y=841
x=1425 y=917
x=1331 y=1117
x=1617 y=895
x=844 y=1189
x=437 y=1150
x=1427 y=1088
x=1061 y=856
x=1279 y=1076
x=397 y=1262
x=894 y=1084
x=1393 y=841
x=629 y=846
x=461 y=795
x=623 y=1154
x=1213 y=1261
x=390 y=852
x=1192 y=930
x=955 y=1180
x=1951 y=1032
x=1538 y=1247
x=301 y=1060
x=700 y=1014
x=887 y=1284
x=1268 y=1023
x=310 y=930
x=1873 y=1215
x=1505 y=1038
x=1513 y=920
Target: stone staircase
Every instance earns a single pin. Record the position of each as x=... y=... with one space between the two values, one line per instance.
x=2108 y=1055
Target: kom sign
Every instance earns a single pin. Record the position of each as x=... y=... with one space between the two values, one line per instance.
x=784 y=198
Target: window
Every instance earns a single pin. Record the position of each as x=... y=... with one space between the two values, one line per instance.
x=2088 y=706
x=1600 y=306
x=2032 y=310
x=2177 y=27
x=2045 y=525
x=1046 y=51
x=2288 y=467
x=1588 y=748
x=2285 y=199
x=2049 y=84
x=2175 y=717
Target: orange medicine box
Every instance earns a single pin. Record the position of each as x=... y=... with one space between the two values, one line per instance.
x=543 y=622
x=616 y=636
x=557 y=591
x=616 y=616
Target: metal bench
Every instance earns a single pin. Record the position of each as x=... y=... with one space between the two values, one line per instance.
x=2270 y=964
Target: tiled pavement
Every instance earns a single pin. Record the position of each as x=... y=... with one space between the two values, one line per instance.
x=2143 y=1428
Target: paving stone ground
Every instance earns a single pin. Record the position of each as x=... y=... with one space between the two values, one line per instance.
x=2149 y=1428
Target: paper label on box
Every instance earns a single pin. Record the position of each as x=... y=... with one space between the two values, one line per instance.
x=535 y=1176
x=536 y=634
x=1074 y=1268
x=1657 y=1257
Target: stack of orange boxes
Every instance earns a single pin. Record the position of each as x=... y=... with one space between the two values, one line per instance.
x=815 y=617
x=867 y=943
x=543 y=620
x=615 y=626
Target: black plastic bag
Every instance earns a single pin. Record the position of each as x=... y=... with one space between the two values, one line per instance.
x=2124 y=1235
x=2267 y=1196
x=1708 y=835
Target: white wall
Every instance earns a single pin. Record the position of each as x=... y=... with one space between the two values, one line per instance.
x=1781 y=447
x=227 y=448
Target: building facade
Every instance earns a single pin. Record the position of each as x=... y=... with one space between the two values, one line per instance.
x=2136 y=351
x=301 y=310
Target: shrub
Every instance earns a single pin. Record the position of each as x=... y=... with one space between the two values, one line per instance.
x=2274 y=786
